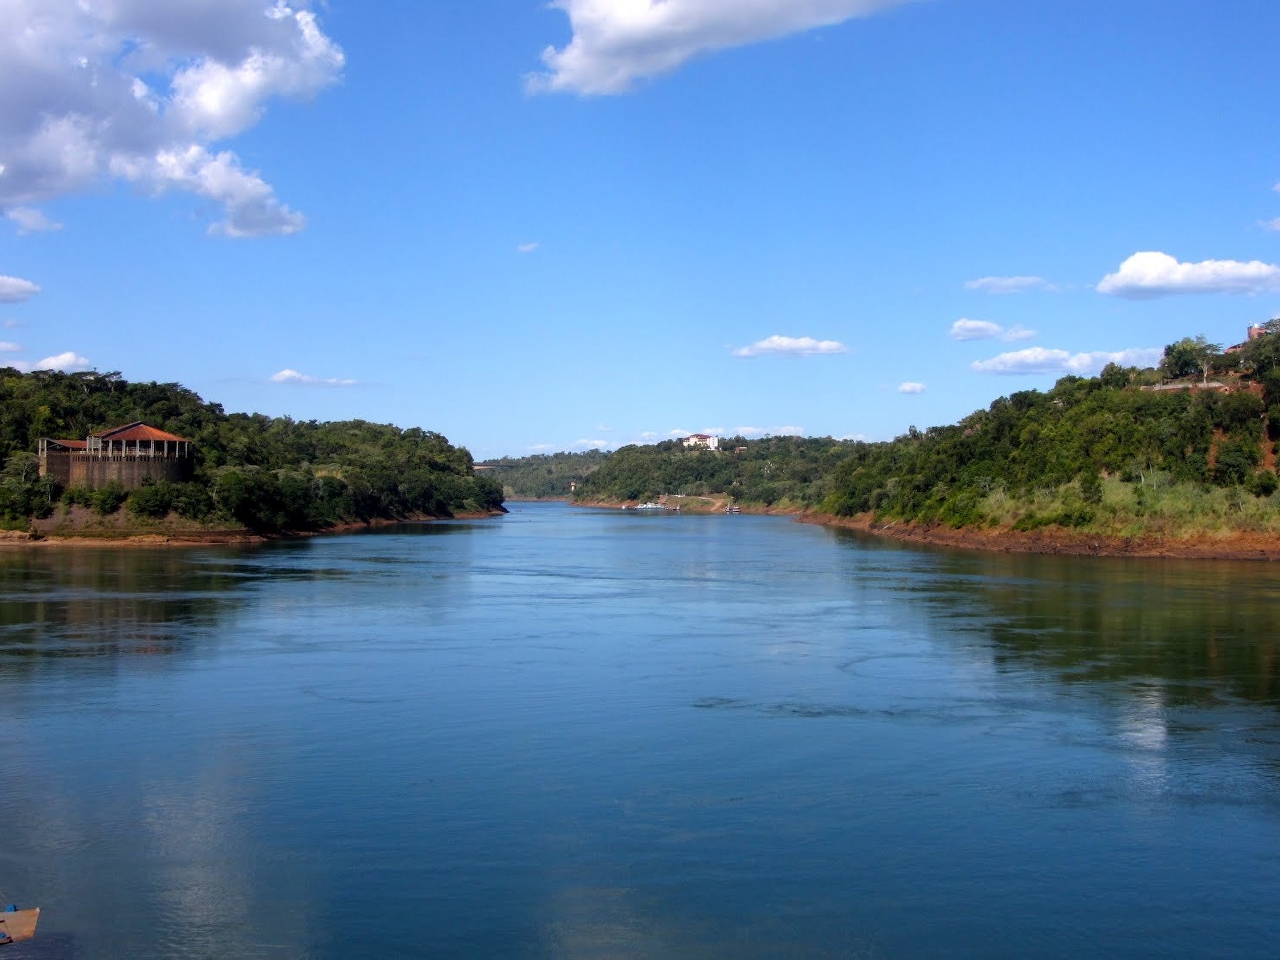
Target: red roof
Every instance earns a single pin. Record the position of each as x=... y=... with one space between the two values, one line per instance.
x=70 y=444
x=139 y=432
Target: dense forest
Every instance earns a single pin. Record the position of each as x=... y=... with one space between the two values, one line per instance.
x=1128 y=451
x=543 y=476
x=776 y=471
x=264 y=473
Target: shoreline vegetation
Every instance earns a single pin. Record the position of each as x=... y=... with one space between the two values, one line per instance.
x=138 y=535
x=1186 y=545
x=1177 y=461
x=250 y=477
x=1174 y=461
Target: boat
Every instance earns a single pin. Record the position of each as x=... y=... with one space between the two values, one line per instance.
x=17 y=925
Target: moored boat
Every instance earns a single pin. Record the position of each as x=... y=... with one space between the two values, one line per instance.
x=17 y=925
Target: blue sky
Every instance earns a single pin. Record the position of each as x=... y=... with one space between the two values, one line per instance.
x=537 y=227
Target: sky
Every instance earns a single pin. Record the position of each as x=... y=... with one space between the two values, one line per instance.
x=539 y=226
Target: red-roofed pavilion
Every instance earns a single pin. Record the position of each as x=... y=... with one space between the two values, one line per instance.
x=127 y=455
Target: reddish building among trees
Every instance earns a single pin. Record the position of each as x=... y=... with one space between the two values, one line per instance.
x=127 y=455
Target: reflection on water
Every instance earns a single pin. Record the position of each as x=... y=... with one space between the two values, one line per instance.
x=1202 y=631
x=586 y=734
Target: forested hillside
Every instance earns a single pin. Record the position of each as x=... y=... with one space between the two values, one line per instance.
x=776 y=471
x=263 y=472
x=543 y=476
x=1130 y=451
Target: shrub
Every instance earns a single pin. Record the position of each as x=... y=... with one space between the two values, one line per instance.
x=191 y=501
x=78 y=497
x=1262 y=484
x=107 y=499
x=1091 y=487
x=151 y=500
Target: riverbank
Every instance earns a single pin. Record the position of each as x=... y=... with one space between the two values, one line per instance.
x=119 y=531
x=700 y=505
x=1228 y=545
x=1224 y=545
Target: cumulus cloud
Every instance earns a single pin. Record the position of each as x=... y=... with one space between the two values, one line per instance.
x=526 y=247
x=6 y=347
x=1039 y=360
x=617 y=42
x=30 y=220
x=14 y=290
x=964 y=329
x=791 y=347
x=592 y=445
x=69 y=362
x=144 y=90
x=1008 y=284
x=1272 y=224
x=306 y=380
x=911 y=388
x=1152 y=274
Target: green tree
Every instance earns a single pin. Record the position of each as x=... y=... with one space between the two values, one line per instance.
x=1188 y=357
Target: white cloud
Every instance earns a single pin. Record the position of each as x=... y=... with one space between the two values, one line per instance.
x=526 y=247
x=791 y=347
x=142 y=90
x=30 y=220
x=1008 y=284
x=250 y=204
x=616 y=42
x=592 y=445
x=6 y=347
x=14 y=290
x=853 y=438
x=649 y=435
x=69 y=362
x=1041 y=360
x=1153 y=274
x=1272 y=224
x=305 y=380
x=11 y=324
x=788 y=431
x=911 y=388
x=541 y=447
x=964 y=329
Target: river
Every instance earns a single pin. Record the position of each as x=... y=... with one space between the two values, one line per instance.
x=575 y=733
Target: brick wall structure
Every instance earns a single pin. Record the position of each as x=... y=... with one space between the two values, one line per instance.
x=128 y=455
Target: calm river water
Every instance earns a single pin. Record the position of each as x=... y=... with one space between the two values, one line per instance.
x=570 y=733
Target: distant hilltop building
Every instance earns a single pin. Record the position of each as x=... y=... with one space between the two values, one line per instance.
x=1255 y=331
x=702 y=441
x=128 y=455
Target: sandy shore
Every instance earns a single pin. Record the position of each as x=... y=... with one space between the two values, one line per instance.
x=1048 y=540
x=122 y=535
x=1055 y=540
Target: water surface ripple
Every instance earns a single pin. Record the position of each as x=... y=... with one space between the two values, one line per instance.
x=572 y=733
